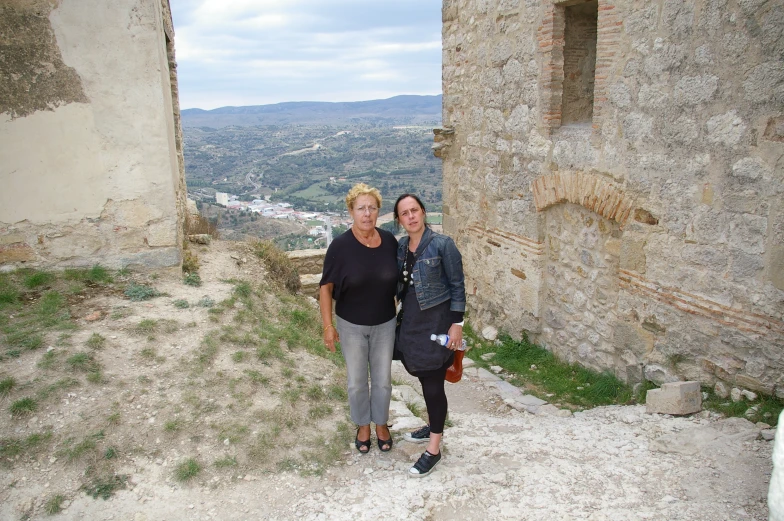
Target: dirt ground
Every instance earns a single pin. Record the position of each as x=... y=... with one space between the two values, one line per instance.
x=609 y=463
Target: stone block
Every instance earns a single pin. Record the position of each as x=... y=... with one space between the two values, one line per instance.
x=675 y=398
x=200 y=238
x=633 y=255
x=16 y=252
x=310 y=284
x=721 y=390
x=659 y=375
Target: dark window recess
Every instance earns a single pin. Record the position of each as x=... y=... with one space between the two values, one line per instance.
x=579 y=62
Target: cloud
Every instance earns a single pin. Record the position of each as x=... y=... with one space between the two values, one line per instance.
x=249 y=52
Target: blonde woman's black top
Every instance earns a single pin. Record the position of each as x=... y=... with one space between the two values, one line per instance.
x=365 y=278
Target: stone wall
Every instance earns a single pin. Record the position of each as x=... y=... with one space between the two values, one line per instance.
x=643 y=234
x=91 y=169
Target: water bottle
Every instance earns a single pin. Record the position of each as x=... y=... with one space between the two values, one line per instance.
x=444 y=340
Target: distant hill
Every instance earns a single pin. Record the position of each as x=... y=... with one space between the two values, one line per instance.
x=399 y=110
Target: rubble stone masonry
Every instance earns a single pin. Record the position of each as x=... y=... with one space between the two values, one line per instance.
x=614 y=177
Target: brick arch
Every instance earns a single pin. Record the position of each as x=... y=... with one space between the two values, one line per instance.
x=589 y=190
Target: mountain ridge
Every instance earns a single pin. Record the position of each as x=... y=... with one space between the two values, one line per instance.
x=397 y=110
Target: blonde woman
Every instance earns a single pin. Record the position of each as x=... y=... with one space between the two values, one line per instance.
x=360 y=275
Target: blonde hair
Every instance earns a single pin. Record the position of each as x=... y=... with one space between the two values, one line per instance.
x=361 y=189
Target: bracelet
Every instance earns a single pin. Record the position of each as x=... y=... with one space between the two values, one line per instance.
x=329 y=326
x=460 y=323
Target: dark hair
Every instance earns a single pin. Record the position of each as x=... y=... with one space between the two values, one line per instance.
x=421 y=205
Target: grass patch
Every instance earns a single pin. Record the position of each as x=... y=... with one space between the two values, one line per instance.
x=147 y=326
x=319 y=411
x=414 y=408
x=233 y=432
x=23 y=407
x=238 y=356
x=256 y=377
x=104 y=486
x=181 y=304
x=542 y=372
x=12 y=447
x=73 y=452
x=6 y=385
x=96 y=341
x=84 y=362
x=187 y=470
x=59 y=385
x=330 y=450
x=9 y=293
x=96 y=275
x=280 y=268
x=54 y=505
x=337 y=392
x=36 y=279
x=315 y=393
x=48 y=360
x=173 y=425
x=764 y=409
x=208 y=350
x=225 y=462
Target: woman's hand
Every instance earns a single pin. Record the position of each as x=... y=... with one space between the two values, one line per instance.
x=455 y=337
x=325 y=304
x=331 y=336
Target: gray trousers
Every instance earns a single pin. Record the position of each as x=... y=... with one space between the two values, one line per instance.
x=366 y=347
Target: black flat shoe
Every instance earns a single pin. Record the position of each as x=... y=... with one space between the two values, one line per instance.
x=362 y=446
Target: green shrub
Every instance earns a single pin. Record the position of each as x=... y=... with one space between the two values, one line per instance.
x=139 y=292
x=190 y=262
x=105 y=486
x=192 y=279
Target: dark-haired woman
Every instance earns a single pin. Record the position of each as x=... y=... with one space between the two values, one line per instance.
x=431 y=288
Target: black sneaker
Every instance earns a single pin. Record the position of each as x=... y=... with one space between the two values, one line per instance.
x=425 y=465
x=418 y=436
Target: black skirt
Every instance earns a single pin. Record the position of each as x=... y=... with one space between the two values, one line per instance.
x=418 y=353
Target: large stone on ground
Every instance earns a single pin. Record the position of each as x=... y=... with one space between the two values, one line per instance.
x=675 y=398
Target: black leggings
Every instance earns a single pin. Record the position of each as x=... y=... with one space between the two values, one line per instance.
x=435 y=396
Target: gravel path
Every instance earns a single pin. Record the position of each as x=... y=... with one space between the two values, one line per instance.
x=609 y=463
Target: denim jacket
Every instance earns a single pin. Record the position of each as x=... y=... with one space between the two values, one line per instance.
x=438 y=271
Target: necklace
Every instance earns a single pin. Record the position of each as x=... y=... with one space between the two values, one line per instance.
x=408 y=268
x=361 y=239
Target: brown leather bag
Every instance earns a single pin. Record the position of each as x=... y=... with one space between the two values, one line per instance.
x=455 y=372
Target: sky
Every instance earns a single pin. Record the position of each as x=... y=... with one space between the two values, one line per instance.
x=258 y=52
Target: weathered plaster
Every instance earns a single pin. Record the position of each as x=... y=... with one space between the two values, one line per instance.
x=100 y=180
x=33 y=76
